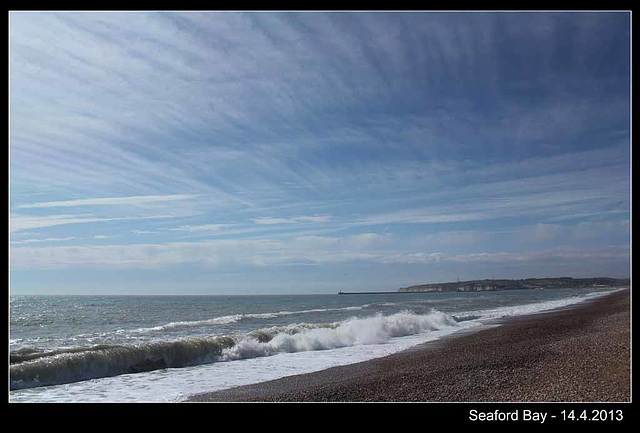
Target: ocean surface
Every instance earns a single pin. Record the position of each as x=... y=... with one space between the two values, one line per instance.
x=164 y=348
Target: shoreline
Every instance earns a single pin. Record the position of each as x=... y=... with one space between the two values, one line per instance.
x=579 y=353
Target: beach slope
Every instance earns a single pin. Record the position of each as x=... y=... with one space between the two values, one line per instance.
x=579 y=354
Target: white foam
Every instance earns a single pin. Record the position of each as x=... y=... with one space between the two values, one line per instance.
x=373 y=330
x=176 y=384
x=250 y=361
x=533 y=308
x=353 y=341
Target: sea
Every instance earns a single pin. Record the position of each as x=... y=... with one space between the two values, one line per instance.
x=112 y=349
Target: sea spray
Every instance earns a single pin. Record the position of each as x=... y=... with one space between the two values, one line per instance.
x=358 y=331
x=36 y=369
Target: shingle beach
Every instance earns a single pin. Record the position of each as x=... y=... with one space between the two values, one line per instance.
x=578 y=354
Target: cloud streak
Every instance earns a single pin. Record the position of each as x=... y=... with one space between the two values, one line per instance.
x=294 y=220
x=110 y=201
x=299 y=251
x=23 y=222
x=316 y=138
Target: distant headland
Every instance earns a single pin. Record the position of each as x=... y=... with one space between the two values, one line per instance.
x=494 y=285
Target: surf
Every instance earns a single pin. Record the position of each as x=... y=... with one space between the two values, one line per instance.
x=32 y=368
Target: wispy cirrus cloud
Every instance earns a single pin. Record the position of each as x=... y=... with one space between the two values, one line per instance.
x=109 y=201
x=32 y=241
x=264 y=252
x=582 y=231
x=201 y=228
x=562 y=194
x=101 y=237
x=293 y=220
x=566 y=255
x=317 y=138
x=117 y=133
x=25 y=222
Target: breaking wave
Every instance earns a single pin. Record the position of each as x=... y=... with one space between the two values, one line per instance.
x=33 y=368
x=372 y=330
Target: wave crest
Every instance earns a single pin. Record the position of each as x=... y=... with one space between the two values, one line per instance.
x=373 y=330
x=77 y=364
x=31 y=368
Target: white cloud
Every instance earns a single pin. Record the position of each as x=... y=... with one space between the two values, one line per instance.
x=591 y=191
x=109 y=201
x=142 y=232
x=367 y=240
x=318 y=240
x=294 y=220
x=33 y=241
x=590 y=230
x=269 y=252
x=451 y=238
x=136 y=106
x=543 y=232
x=204 y=227
x=105 y=236
x=559 y=254
x=270 y=221
x=313 y=219
x=583 y=231
x=26 y=222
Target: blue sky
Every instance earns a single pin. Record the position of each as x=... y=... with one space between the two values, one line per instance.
x=311 y=152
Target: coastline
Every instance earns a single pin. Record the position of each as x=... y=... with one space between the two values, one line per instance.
x=575 y=354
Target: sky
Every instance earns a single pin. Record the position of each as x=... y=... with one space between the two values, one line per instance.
x=312 y=152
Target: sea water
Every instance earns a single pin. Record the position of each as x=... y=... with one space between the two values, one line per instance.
x=165 y=348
